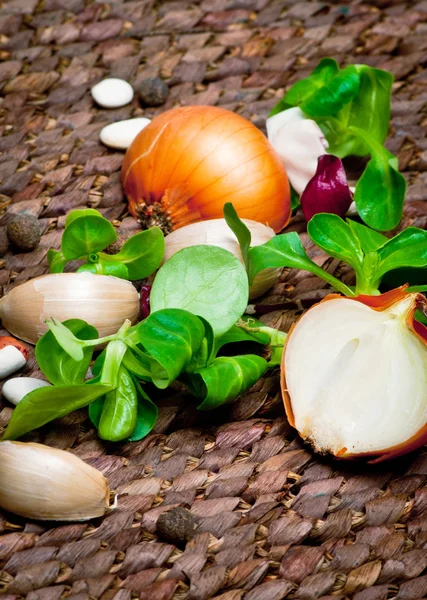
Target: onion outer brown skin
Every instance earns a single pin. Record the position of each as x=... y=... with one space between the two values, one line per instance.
x=216 y=232
x=170 y=170
x=378 y=303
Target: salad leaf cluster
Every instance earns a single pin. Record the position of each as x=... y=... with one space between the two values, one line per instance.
x=87 y=233
x=352 y=107
x=182 y=339
x=371 y=254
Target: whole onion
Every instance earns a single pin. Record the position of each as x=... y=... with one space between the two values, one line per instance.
x=354 y=375
x=188 y=162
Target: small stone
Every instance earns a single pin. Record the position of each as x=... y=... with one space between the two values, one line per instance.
x=176 y=525
x=121 y=134
x=11 y=360
x=153 y=91
x=18 y=387
x=112 y=93
x=4 y=241
x=24 y=232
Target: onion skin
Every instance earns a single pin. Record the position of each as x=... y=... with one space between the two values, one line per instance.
x=378 y=303
x=7 y=340
x=189 y=161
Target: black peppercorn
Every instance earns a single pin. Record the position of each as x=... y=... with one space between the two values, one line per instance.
x=24 y=232
x=153 y=91
x=176 y=525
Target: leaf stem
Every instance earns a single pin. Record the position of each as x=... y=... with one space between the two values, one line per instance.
x=120 y=335
x=334 y=282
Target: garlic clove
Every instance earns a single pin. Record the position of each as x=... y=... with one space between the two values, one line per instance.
x=16 y=388
x=39 y=482
x=216 y=232
x=354 y=376
x=103 y=301
x=299 y=142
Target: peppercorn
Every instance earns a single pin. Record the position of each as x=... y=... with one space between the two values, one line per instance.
x=176 y=525
x=24 y=232
x=153 y=91
x=4 y=241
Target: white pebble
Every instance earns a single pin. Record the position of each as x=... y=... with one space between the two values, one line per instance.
x=112 y=93
x=18 y=387
x=121 y=134
x=11 y=359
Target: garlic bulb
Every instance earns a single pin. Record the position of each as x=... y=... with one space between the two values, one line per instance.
x=299 y=142
x=103 y=301
x=216 y=232
x=354 y=375
x=44 y=483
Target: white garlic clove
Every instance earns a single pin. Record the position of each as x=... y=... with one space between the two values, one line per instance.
x=101 y=300
x=216 y=232
x=11 y=360
x=16 y=388
x=121 y=134
x=112 y=93
x=299 y=142
x=39 y=482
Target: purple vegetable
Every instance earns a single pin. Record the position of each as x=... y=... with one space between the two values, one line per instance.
x=328 y=190
x=145 y=301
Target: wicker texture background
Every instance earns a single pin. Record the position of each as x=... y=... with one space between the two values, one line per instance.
x=273 y=521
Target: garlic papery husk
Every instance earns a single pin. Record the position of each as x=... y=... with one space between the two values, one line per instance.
x=299 y=142
x=101 y=300
x=39 y=482
x=216 y=232
x=354 y=375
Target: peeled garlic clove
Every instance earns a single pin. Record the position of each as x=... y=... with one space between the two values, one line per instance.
x=354 y=375
x=121 y=134
x=216 y=232
x=38 y=482
x=299 y=142
x=16 y=388
x=103 y=301
x=112 y=92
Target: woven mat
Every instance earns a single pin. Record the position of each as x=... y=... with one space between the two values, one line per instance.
x=273 y=521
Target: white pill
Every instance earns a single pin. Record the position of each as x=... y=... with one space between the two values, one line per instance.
x=112 y=92
x=18 y=387
x=121 y=134
x=11 y=359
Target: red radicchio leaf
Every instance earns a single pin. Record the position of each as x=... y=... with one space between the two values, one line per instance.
x=145 y=301
x=328 y=190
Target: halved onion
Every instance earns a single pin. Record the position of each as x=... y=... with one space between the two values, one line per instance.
x=354 y=375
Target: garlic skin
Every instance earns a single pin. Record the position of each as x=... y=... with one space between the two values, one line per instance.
x=216 y=232
x=103 y=301
x=299 y=142
x=39 y=482
x=354 y=376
